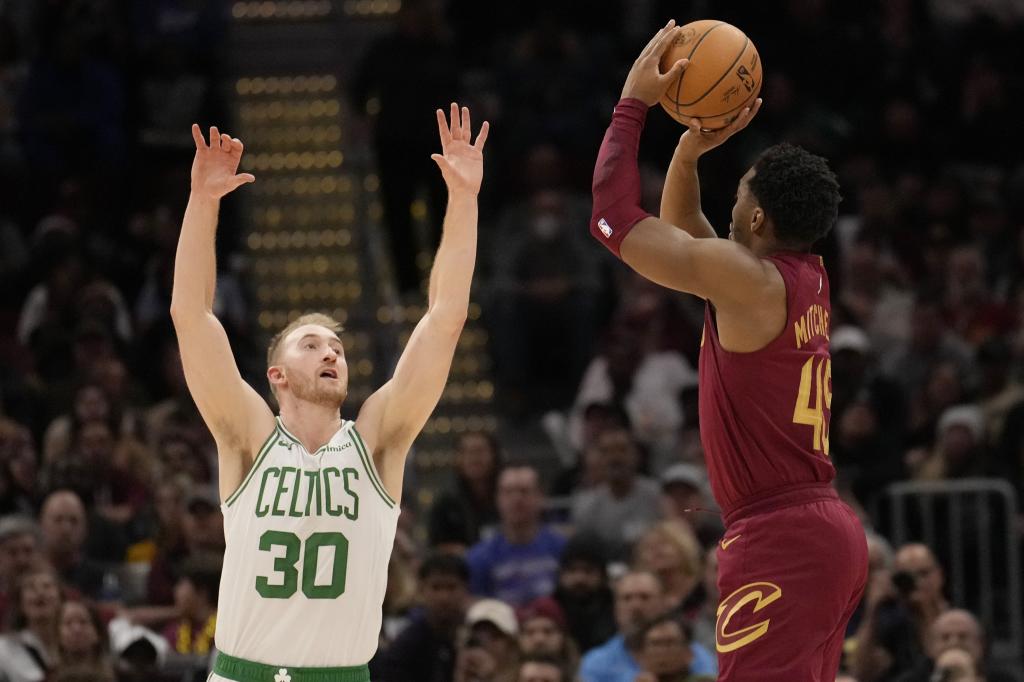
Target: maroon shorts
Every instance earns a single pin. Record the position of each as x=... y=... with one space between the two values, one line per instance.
x=791 y=570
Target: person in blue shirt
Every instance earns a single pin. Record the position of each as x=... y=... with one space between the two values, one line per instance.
x=520 y=562
x=639 y=599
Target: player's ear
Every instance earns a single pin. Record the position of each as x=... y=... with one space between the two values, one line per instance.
x=758 y=221
x=275 y=375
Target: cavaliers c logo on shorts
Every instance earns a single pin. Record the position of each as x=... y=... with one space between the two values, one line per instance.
x=751 y=598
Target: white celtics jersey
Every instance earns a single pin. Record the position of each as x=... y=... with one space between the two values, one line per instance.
x=309 y=538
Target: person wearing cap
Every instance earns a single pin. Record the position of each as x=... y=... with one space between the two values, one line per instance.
x=195 y=600
x=959 y=451
x=520 y=561
x=685 y=496
x=491 y=643
x=425 y=650
x=19 y=549
x=542 y=631
x=583 y=592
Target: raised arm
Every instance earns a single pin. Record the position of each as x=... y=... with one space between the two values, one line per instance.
x=680 y=200
x=393 y=416
x=236 y=415
x=719 y=270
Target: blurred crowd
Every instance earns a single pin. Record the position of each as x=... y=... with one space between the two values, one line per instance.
x=110 y=530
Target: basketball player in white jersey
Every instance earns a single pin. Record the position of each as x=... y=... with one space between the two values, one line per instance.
x=310 y=501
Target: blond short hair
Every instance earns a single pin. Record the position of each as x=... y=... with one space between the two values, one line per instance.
x=678 y=533
x=320 y=319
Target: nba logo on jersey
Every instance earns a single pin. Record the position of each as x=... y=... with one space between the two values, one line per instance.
x=605 y=228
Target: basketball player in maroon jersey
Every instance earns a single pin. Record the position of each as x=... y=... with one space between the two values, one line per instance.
x=793 y=561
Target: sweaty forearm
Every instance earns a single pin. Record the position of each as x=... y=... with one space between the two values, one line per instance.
x=195 y=263
x=452 y=274
x=680 y=199
x=616 y=187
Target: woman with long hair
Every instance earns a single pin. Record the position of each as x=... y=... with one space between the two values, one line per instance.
x=30 y=651
x=82 y=637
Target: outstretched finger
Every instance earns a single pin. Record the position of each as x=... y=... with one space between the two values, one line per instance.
x=197 y=135
x=244 y=179
x=657 y=36
x=237 y=146
x=442 y=129
x=467 y=129
x=481 y=137
x=225 y=142
x=455 y=127
x=744 y=117
x=441 y=162
x=214 y=138
x=666 y=41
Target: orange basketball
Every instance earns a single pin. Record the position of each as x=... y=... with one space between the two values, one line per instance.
x=723 y=77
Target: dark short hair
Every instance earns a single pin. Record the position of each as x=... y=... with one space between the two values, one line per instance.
x=442 y=563
x=798 y=192
x=671 y=617
x=547 y=659
x=203 y=571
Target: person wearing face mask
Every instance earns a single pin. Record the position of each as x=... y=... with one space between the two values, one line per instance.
x=545 y=285
x=30 y=653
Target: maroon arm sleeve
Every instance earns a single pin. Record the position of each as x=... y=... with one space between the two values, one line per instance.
x=616 y=186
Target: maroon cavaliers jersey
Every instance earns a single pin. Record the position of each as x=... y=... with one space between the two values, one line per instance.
x=764 y=416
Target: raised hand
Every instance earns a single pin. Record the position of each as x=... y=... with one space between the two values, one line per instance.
x=645 y=81
x=215 y=168
x=695 y=141
x=461 y=163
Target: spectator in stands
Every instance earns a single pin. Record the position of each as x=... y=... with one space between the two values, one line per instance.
x=425 y=650
x=647 y=382
x=663 y=650
x=83 y=638
x=957 y=664
x=491 y=647
x=930 y=344
x=638 y=599
x=31 y=650
x=999 y=388
x=959 y=450
x=583 y=592
x=546 y=282
x=670 y=550
x=620 y=510
x=899 y=610
x=19 y=549
x=19 y=479
x=520 y=562
x=64 y=529
x=587 y=466
x=955 y=629
x=542 y=668
x=542 y=631
x=461 y=514
x=203 y=533
x=686 y=497
x=195 y=600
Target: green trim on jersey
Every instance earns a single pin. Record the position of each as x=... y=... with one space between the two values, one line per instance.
x=370 y=468
x=250 y=671
x=267 y=444
x=290 y=436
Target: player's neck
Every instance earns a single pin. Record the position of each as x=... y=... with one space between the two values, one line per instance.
x=314 y=425
x=520 y=533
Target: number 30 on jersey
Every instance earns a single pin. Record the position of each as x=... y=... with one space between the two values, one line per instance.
x=816 y=373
